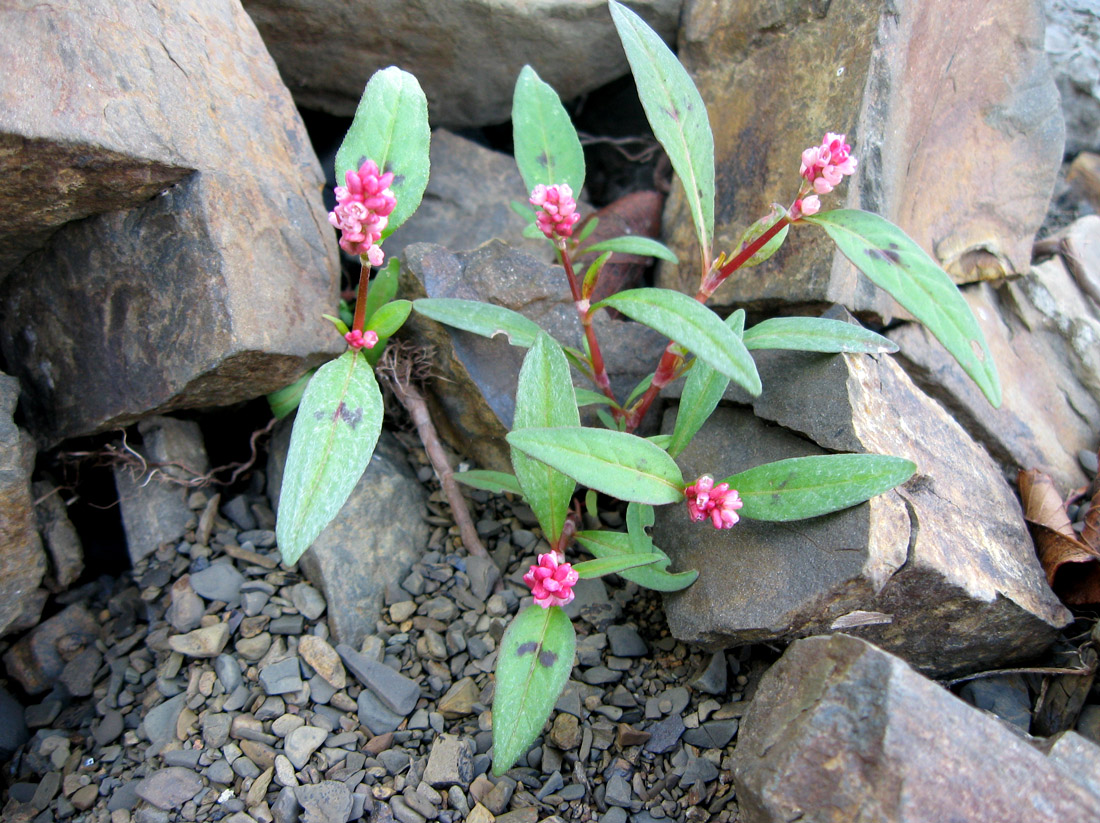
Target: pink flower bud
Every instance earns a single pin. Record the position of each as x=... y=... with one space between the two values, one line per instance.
x=551 y=581
x=826 y=165
x=720 y=503
x=805 y=207
x=362 y=211
x=557 y=209
x=361 y=340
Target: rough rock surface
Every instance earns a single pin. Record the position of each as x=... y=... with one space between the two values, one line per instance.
x=207 y=294
x=475 y=400
x=22 y=561
x=941 y=571
x=1072 y=38
x=943 y=104
x=371 y=544
x=325 y=60
x=38 y=659
x=840 y=730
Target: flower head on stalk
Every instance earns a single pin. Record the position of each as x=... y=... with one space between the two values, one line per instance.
x=362 y=211
x=826 y=165
x=361 y=340
x=557 y=210
x=551 y=581
x=720 y=503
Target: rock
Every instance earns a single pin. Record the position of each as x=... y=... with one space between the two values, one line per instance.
x=374 y=715
x=62 y=542
x=664 y=734
x=170 y=788
x=1051 y=385
x=13 y=729
x=308 y=601
x=326 y=802
x=1006 y=696
x=284 y=677
x=473 y=403
x=93 y=319
x=154 y=509
x=374 y=540
x=838 y=705
x=712 y=679
x=79 y=674
x=323 y=659
x=626 y=642
x=565 y=732
x=301 y=743
x=428 y=39
x=714 y=734
x=159 y=723
x=449 y=763
x=450 y=218
x=219 y=581
x=187 y=608
x=908 y=570
x=22 y=561
x=36 y=660
x=460 y=699
x=1072 y=34
x=914 y=125
x=398 y=692
x=201 y=643
x=483 y=574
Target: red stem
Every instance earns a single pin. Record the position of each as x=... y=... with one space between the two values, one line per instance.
x=599 y=369
x=361 y=299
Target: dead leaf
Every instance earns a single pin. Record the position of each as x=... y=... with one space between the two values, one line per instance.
x=1042 y=503
x=1090 y=536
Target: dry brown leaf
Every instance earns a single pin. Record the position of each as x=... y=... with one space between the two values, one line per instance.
x=1042 y=503
x=1090 y=536
x=1070 y=565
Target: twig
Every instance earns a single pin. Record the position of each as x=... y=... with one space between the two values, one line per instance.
x=396 y=367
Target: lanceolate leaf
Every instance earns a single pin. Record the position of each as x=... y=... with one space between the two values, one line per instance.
x=758 y=228
x=895 y=263
x=635 y=245
x=334 y=434
x=490 y=481
x=547 y=148
x=605 y=543
x=480 y=318
x=815 y=334
x=676 y=112
x=615 y=463
x=389 y=318
x=692 y=325
x=391 y=128
x=285 y=400
x=804 y=487
x=703 y=390
x=533 y=666
x=544 y=398
x=587 y=397
x=383 y=288
x=614 y=565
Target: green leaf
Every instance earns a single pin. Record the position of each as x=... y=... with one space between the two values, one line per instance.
x=285 y=400
x=391 y=128
x=677 y=114
x=614 y=565
x=593 y=274
x=692 y=325
x=639 y=517
x=703 y=390
x=804 y=487
x=480 y=318
x=640 y=388
x=490 y=481
x=895 y=263
x=544 y=398
x=616 y=463
x=815 y=334
x=333 y=439
x=389 y=318
x=545 y=142
x=533 y=666
x=587 y=397
x=635 y=245
x=611 y=423
x=588 y=225
x=660 y=440
x=591 y=498
x=757 y=229
x=340 y=325
x=616 y=544
x=383 y=288
x=523 y=210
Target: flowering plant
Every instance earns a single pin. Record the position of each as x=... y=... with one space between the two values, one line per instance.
x=551 y=451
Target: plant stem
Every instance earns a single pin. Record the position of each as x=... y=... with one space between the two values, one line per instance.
x=361 y=297
x=599 y=369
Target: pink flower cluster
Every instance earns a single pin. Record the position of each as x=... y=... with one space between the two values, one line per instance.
x=557 y=210
x=361 y=340
x=551 y=581
x=824 y=167
x=362 y=211
x=720 y=503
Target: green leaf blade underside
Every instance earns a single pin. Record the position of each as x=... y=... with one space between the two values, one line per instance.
x=703 y=390
x=676 y=112
x=692 y=325
x=817 y=334
x=533 y=666
x=803 y=487
x=627 y=244
x=389 y=318
x=544 y=399
x=490 y=481
x=547 y=148
x=391 y=128
x=896 y=264
x=616 y=463
x=605 y=543
x=285 y=400
x=334 y=435
x=480 y=318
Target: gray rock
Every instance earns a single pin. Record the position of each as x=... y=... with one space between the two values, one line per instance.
x=618 y=791
x=221 y=772
x=308 y=601
x=712 y=679
x=159 y=723
x=186 y=609
x=285 y=809
x=714 y=734
x=326 y=802
x=1079 y=759
x=79 y=674
x=169 y=788
x=450 y=763
x=375 y=715
x=301 y=743
x=93 y=320
x=840 y=703
x=947 y=550
x=483 y=574
x=284 y=677
x=626 y=642
x=426 y=39
x=665 y=734
x=13 y=729
x=398 y=692
x=201 y=643
x=238 y=512
x=109 y=728
x=228 y=671
x=58 y=533
x=35 y=660
x=1072 y=34
x=1006 y=696
x=699 y=768
x=374 y=540
x=215 y=729
x=219 y=581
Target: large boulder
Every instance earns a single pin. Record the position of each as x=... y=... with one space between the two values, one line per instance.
x=951 y=109
x=941 y=571
x=465 y=53
x=208 y=293
x=1073 y=45
x=840 y=730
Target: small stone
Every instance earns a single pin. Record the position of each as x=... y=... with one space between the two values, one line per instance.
x=201 y=643
x=565 y=732
x=460 y=699
x=228 y=671
x=283 y=677
x=215 y=729
x=712 y=679
x=714 y=734
x=253 y=649
x=374 y=715
x=85 y=797
x=323 y=659
x=627 y=735
x=483 y=574
x=287 y=723
x=449 y=763
x=618 y=791
x=170 y=788
x=626 y=642
x=326 y=802
x=397 y=692
x=601 y=675
x=219 y=581
x=284 y=771
x=285 y=809
x=301 y=743
x=480 y=814
x=108 y=729
x=403 y=813
x=288 y=624
x=500 y=795
x=440 y=608
x=186 y=609
x=307 y=600
x=402 y=611
x=698 y=769
x=665 y=734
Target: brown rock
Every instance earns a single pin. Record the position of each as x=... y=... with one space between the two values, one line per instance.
x=37 y=661
x=459 y=699
x=180 y=102
x=62 y=542
x=201 y=643
x=840 y=730
x=942 y=105
x=323 y=659
x=565 y=733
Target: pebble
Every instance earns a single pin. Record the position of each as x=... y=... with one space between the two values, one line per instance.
x=626 y=642
x=324 y=802
x=219 y=581
x=665 y=734
x=170 y=788
x=307 y=600
x=283 y=677
x=323 y=659
x=460 y=699
x=449 y=763
x=397 y=692
x=301 y=743
x=565 y=732
x=201 y=643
